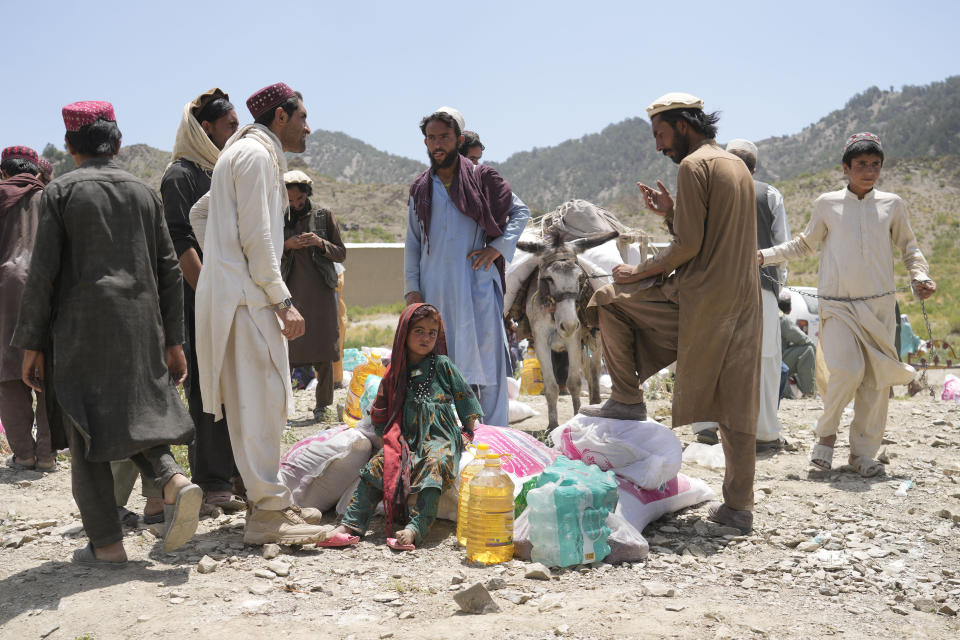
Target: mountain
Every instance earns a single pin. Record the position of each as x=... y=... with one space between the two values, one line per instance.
x=141 y=160
x=914 y=122
x=603 y=167
x=348 y=159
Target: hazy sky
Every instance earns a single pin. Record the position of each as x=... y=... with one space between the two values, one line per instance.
x=524 y=73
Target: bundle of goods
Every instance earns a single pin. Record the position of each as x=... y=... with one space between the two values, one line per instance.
x=646 y=453
x=567 y=513
x=319 y=469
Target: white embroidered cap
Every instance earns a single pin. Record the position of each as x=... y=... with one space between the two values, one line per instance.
x=455 y=114
x=674 y=100
x=740 y=144
x=297 y=177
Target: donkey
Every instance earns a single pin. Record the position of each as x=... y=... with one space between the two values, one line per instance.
x=551 y=309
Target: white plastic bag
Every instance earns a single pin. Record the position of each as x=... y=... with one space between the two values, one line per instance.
x=627 y=544
x=951 y=388
x=318 y=469
x=647 y=453
x=517 y=272
x=705 y=455
x=513 y=388
x=641 y=506
x=520 y=411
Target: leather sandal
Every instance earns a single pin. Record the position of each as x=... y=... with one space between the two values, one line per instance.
x=866 y=466
x=821 y=457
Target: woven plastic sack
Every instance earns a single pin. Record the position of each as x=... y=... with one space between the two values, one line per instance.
x=647 y=453
x=641 y=506
x=318 y=469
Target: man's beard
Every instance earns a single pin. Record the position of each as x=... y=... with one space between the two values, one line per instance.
x=446 y=163
x=680 y=148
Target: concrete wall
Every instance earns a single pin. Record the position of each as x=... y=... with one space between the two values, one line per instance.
x=374 y=274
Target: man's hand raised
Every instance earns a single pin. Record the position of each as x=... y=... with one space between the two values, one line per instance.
x=660 y=202
x=294 y=325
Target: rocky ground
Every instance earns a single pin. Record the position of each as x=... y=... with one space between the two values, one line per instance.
x=833 y=555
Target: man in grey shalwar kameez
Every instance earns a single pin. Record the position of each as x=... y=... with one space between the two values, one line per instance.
x=103 y=303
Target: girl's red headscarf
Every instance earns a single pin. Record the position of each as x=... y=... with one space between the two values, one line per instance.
x=387 y=410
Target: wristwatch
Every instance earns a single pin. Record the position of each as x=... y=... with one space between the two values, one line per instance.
x=286 y=304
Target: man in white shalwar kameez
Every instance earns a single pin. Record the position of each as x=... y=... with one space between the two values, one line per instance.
x=857 y=228
x=244 y=312
x=450 y=251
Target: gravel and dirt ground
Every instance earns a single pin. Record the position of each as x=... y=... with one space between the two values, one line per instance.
x=833 y=554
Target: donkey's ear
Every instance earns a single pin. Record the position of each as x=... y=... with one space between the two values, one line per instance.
x=535 y=247
x=582 y=244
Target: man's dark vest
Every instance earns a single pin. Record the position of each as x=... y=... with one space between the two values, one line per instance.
x=765 y=233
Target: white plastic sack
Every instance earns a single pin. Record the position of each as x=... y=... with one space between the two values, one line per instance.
x=517 y=272
x=318 y=469
x=513 y=388
x=647 y=453
x=627 y=544
x=520 y=411
x=605 y=256
x=606 y=383
x=705 y=455
x=641 y=506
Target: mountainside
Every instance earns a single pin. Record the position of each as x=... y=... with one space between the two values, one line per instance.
x=348 y=159
x=141 y=160
x=913 y=122
x=602 y=167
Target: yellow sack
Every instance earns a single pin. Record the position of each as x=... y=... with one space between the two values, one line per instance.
x=531 y=378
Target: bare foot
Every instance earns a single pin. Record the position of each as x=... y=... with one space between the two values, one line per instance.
x=111 y=553
x=172 y=488
x=406 y=536
x=341 y=529
x=153 y=506
x=828 y=441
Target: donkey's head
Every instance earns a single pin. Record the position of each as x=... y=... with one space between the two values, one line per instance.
x=561 y=277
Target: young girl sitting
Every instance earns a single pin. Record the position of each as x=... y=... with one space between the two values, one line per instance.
x=421 y=440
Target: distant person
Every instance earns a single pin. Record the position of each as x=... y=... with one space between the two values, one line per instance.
x=463 y=219
x=771 y=229
x=856 y=229
x=707 y=315
x=416 y=412
x=46 y=170
x=311 y=250
x=245 y=315
x=20 y=195
x=799 y=351
x=472 y=148
x=206 y=123
x=101 y=326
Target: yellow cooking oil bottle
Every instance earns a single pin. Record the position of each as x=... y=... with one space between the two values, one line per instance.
x=490 y=519
x=352 y=412
x=463 y=498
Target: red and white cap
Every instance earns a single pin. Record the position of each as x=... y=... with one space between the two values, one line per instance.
x=268 y=98
x=79 y=114
x=19 y=152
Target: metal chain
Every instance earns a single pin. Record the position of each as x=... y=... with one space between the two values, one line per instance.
x=923 y=372
x=924 y=384
x=834 y=298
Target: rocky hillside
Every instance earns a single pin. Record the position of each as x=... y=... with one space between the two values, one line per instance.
x=348 y=159
x=601 y=167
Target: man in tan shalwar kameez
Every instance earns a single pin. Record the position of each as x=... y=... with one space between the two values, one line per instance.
x=706 y=315
x=857 y=228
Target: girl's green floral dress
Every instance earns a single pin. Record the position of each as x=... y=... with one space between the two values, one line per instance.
x=435 y=388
